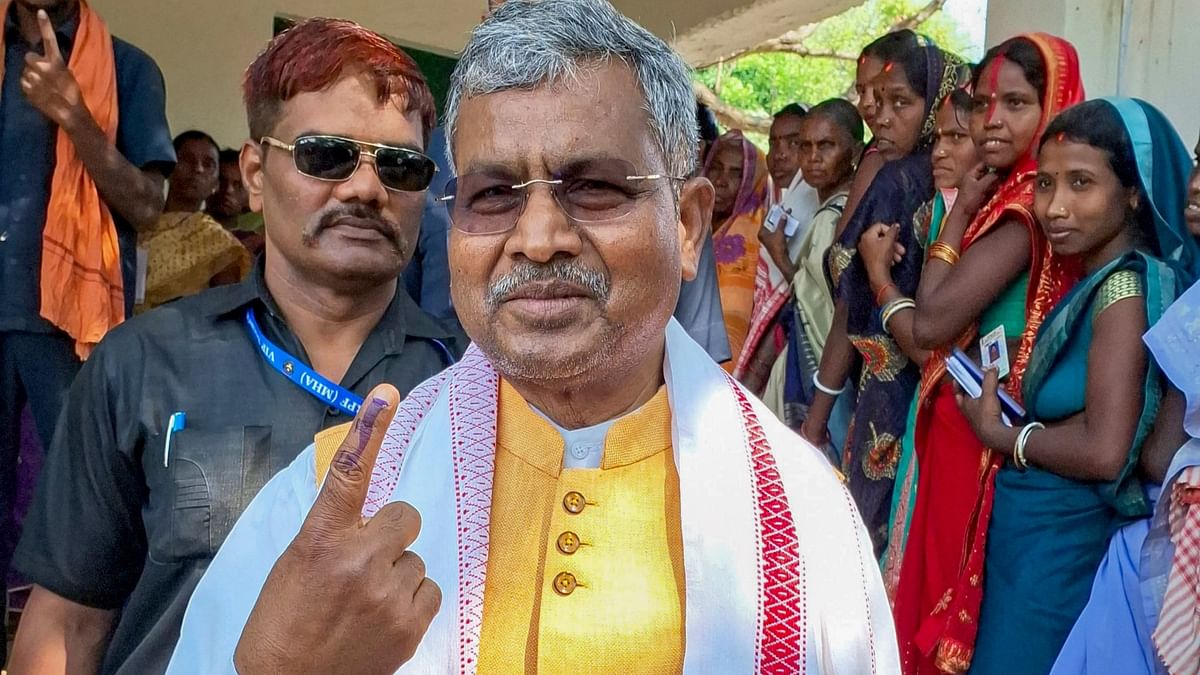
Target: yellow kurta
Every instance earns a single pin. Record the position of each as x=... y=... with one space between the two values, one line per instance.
x=585 y=567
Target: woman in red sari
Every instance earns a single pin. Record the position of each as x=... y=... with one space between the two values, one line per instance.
x=989 y=268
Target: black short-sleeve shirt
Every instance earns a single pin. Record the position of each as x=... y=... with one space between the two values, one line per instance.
x=118 y=522
x=27 y=161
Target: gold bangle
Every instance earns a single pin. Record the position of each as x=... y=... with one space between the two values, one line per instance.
x=944 y=252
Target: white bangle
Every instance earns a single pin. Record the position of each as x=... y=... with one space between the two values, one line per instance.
x=1022 y=439
x=826 y=390
x=893 y=308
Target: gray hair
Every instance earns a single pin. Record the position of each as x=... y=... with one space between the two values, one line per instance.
x=526 y=44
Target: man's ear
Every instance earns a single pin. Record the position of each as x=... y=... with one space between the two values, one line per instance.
x=696 y=198
x=251 y=164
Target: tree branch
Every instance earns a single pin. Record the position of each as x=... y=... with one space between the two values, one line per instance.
x=772 y=46
x=728 y=115
x=920 y=17
x=792 y=42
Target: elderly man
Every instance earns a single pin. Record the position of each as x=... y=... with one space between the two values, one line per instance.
x=183 y=413
x=593 y=493
x=792 y=195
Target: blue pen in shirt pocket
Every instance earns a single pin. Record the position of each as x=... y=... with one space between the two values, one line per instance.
x=176 y=423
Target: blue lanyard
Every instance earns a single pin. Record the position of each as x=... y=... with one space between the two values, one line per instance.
x=300 y=374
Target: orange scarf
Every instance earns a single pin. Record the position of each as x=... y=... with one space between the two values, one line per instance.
x=735 y=241
x=81 y=286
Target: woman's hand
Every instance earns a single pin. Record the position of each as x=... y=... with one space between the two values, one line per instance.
x=880 y=250
x=775 y=244
x=976 y=188
x=815 y=432
x=983 y=414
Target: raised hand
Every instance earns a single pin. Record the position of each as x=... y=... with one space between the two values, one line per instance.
x=47 y=82
x=983 y=413
x=880 y=250
x=976 y=188
x=347 y=596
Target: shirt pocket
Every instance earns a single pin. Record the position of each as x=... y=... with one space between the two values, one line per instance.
x=213 y=474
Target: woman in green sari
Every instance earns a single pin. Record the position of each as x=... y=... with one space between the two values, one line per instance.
x=1109 y=181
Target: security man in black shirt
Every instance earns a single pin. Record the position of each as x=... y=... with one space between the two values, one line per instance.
x=182 y=414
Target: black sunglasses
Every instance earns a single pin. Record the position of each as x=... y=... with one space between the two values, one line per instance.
x=335 y=159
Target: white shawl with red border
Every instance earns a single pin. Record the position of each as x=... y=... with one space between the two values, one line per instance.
x=778 y=569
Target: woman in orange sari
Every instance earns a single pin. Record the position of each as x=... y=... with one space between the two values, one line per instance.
x=1006 y=280
x=738 y=172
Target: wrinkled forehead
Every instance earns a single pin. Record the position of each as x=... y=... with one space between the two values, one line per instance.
x=819 y=126
x=1003 y=77
x=892 y=77
x=786 y=125
x=948 y=116
x=868 y=68
x=599 y=113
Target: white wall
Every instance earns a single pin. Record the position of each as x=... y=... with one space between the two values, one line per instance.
x=1163 y=54
x=204 y=46
x=1157 y=63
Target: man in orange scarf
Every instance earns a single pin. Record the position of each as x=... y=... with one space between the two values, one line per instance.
x=182 y=413
x=83 y=148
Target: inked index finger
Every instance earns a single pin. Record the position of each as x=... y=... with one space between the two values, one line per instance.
x=340 y=501
x=49 y=40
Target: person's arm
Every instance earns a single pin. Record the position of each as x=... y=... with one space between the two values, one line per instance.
x=83 y=543
x=880 y=250
x=836 y=361
x=951 y=297
x=134 y=194
x=1093 y=446
x=60 y=636
x=776 y=246
x=1165 y=438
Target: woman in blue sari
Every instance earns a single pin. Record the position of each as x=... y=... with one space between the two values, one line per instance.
x=1109 y=192
x=1116 y=633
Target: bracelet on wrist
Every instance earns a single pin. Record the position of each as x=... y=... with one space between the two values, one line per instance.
x=892 y=309
x=939 y=250
x=1022 y=439
x=826 y=390
x=882 y=291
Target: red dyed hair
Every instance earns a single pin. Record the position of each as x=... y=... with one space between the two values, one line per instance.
x=315 y=54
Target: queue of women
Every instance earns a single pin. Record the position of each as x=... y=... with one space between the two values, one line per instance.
x=1050 y=523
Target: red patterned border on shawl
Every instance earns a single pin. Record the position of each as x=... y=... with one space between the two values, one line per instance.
x=395 y=442
x=782 y=614
x=473 y=408
x=474 y=397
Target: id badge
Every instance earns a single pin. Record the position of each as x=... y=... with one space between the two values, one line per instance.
x=993 y=351
x=790 y=227
x=139 y=294
x=773 y=217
